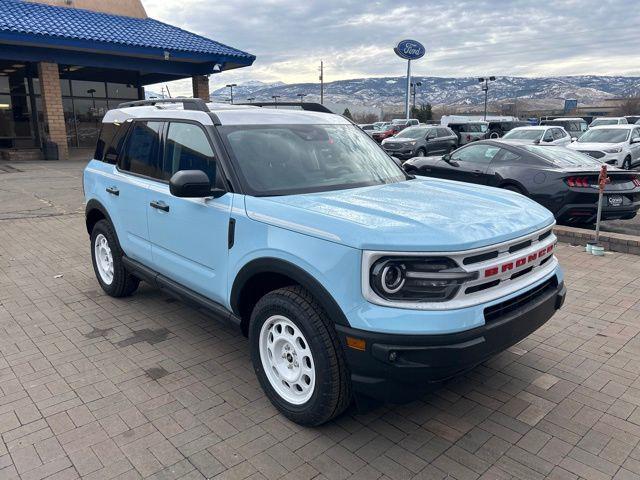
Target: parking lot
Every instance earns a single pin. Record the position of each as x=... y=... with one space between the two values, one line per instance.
x=100 y=388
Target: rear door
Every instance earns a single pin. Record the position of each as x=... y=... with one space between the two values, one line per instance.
x=137 y=165
x=635 y=147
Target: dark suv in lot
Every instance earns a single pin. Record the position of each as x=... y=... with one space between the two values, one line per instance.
x=420 y=141
x=499 y=128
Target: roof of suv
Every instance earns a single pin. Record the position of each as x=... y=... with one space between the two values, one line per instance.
x=617 y=126
x=226 y=115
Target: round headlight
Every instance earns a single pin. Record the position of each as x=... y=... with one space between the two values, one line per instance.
x=392 y=278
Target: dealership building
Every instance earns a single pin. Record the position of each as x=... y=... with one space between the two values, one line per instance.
x=64 y=63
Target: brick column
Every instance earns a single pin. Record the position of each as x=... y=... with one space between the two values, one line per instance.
x=54 y=127
x=201 y=87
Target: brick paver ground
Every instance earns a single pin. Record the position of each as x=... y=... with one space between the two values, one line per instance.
x=100 y=388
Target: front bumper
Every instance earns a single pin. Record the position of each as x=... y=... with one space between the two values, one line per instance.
x=403 y=154
x=395 y=367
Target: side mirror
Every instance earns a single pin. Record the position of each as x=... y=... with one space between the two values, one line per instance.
x=190 y=184
x=574 y=139
x=447 y=157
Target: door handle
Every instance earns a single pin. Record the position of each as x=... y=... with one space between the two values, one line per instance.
x=159 y=206
x=477 y=172
x=113 y=191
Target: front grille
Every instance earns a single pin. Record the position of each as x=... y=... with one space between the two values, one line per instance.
x=593 y=153
x=500 y=310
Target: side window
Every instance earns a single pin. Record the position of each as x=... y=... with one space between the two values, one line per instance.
x=107 y=132
x=476 y=154
x=557 y=134
x=635 y=133
x=548 y=135
x=442 y=132
x=141 y=150
x=114 y=147
x=187 y=148
x=506 y=156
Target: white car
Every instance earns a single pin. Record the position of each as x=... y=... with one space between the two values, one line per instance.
x=601 y=121
x=541 y=135
x=612 y=144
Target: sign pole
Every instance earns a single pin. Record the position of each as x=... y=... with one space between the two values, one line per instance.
x=408 y=95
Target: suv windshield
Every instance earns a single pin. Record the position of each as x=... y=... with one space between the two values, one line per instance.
x=524 y=135
x=603 y=121
x=563 y=157
x=413 y=132
x=604 y=135
x=291 y=159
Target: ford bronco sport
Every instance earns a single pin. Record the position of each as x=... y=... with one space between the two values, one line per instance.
x=348 y=275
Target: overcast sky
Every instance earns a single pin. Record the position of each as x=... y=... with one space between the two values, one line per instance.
x=462 y=37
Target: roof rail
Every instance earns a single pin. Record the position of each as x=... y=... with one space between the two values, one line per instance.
x=187 y=103
x=308 y=106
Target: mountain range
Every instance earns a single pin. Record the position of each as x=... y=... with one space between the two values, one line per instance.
x=545 y=92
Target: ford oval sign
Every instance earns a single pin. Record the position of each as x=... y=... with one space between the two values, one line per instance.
x=409 y=50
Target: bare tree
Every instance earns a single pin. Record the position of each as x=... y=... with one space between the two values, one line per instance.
x=630 y=106
x=364 y=118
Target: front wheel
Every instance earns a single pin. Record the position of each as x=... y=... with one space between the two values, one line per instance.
x=421 y=152
x=297 y=357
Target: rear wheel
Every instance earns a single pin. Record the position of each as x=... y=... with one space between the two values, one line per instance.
x=495 y=134
x=106 y=255
x=297 y=357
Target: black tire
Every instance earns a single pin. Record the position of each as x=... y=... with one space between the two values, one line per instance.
x=514 y=188
x=332 y=391
x=493 y=134
x=626 y=164
x=123 y=283
x=421 y=151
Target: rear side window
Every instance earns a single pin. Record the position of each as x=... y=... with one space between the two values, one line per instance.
x=107 y=132
x=113 y=146
x=141 y=151
x=443 y=132
x=187 y=148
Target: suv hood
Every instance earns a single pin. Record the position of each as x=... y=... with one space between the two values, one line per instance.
x=594 y=146
x=416 y=215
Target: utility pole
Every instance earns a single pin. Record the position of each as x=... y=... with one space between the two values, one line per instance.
x=275 y=99
x=415 y=86
x=321 y=82
x=302 y=95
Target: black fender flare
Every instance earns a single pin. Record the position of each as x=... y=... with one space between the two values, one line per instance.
x=92 y=205
x=297 y=274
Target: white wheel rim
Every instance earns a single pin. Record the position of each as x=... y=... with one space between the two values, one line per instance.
x=104 y=259
x=287 y=360
x=420 y=153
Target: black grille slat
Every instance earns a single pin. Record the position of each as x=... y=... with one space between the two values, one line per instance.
x=544 y=235
x=519 y=246
x=481 y=257
x=495 y=312
x=482 y=286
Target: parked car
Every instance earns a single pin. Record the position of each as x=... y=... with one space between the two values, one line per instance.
x=385 y=131
x=615 y=144
x=631 y=119
x=562 y=180
x=378 y=125
x=420 y=141
x=468 y=132
x=602 y=121
x=297 y=229
x=544 y=135
x=402 y=123
x=368 y=128
x=574 y=126
x=498 y=128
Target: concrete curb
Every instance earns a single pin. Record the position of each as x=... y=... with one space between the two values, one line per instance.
x=613 y=242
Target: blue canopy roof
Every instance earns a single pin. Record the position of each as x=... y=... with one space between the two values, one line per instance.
x=48 y=26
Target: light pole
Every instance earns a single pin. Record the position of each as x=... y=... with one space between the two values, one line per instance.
x=302 y=95
x=275 y=99
x=485 y=87
x=230 y=86
x=92 y=92
x=415 y=86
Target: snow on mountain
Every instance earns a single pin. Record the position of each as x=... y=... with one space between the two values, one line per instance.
x=386 y=91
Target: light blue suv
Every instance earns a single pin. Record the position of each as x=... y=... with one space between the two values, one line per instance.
x=348 y=275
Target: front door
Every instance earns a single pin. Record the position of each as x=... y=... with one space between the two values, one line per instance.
x=189 y=236
x=470 y=163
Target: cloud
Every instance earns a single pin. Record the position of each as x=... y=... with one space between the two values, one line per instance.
x=463 y=38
